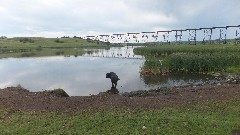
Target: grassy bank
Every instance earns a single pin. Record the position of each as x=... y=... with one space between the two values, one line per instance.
x=202 y=117
x=36 y=47
x=191 y=58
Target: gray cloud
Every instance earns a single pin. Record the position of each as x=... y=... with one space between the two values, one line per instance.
x=76 y=17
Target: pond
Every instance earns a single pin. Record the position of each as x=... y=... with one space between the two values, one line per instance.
x=86 y=75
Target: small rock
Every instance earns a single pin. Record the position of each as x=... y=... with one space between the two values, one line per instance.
x=219 y=84
x=234 y=81
x=144 y=127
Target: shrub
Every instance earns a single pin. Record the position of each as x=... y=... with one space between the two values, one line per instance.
x=39 y=48
x=59 y=41
x=25 y=40
x=59 y=52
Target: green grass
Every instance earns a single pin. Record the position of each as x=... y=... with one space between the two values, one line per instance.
x=49 y=42
x=233 y=69
x=37 y=47
x=166 y=50
x=203 y=117
x=45 y=52
x=191 y=58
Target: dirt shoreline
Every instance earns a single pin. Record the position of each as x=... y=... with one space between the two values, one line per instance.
x=20 y=99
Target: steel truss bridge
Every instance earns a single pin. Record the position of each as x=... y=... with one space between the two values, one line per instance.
x=190 y=36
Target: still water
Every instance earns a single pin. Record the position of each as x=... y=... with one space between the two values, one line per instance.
x=85 y=75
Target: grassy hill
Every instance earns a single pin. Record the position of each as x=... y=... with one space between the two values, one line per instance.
x=36 y=46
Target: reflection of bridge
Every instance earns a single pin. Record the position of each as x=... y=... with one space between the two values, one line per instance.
x=114 y=52
x=191 y=36
x=116 y=57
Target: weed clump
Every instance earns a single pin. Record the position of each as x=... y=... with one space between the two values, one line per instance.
x=58 y=93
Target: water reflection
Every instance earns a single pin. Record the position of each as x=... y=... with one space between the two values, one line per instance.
x=81 y=76
x=114 y=52
x=76 y=75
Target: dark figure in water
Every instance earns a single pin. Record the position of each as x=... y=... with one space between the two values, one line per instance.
x=114 y=78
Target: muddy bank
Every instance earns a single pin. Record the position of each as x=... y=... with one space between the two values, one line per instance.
x=18 y=98
x=219 y=79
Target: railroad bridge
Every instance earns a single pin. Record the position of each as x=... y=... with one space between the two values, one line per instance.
x=208 y=35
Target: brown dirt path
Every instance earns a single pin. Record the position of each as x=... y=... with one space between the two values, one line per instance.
x=23 y=100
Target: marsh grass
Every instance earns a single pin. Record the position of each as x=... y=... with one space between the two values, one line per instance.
x=234 y=69
x=191 y=58
x=200 y=117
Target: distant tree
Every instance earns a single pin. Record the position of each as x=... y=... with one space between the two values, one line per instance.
x=108 y=43
x=3 y=37
x=89 y=40
x=75 y=37
x=65 y=37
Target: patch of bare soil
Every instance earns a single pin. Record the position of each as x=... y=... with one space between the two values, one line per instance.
x=23 y=100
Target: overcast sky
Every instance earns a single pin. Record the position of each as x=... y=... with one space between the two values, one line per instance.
x=55 y=18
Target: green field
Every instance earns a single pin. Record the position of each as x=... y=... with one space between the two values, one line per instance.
x=202 y=117
x=36 y=47
x=191 y=58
